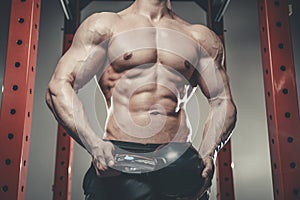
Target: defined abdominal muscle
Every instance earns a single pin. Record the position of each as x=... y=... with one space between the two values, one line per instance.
x=151 y=116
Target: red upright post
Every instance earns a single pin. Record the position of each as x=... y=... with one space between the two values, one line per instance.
x=225 y=187
x=64 y=149
x=63 y=166
x=17 y=98
x=281 y=98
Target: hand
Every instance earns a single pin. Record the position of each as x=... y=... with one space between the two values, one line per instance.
x=103 y=159
x=207 y=174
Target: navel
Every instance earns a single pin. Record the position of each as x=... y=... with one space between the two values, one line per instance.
x=127 y=55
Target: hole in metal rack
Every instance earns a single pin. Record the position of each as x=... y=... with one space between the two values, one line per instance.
x=278 y=24
x=23 y=0
x=227 y=194
x=287 y=115
x=24 y=163
x=267 y=71
x=277 y=191
x=5 y=188
x=283 y=68
x=261 y=8
x=280 y=45
x=63 y=148
x=7 y=162
x=270 y=117
x=61 y=178
x=273 y=141
x=226 y=179
x=28 y=114
x=224 y=149
x=21 y=20
x=37 y=5
x=225 y=164
x=263 y=29
x=290 y=139
x=13 y=111
x=30 y=91
x=35 y=26
x=60 y=194
x=26 y=138
x=10 y=136
x=293 y=165
x=17 y=64
x=276 y=3
x=64 y=134
x=15 y=87
x=19 y=42
x=34 y=47
x=275 y=166
x=62 y=163
x=285 y=91
x=32 y=68
x=22 y=188
x=265 y=49
x=269 y=94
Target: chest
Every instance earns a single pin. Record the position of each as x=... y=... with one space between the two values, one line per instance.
x=148 y=45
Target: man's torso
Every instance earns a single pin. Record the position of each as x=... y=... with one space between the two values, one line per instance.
x=149 y=78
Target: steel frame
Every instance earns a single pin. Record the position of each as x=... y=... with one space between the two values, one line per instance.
x=17 y=99
x=280 y=97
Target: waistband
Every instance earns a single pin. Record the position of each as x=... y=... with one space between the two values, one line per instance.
x=146 y=148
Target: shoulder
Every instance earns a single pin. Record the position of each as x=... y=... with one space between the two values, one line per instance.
x=105 y=18
x=97 y=26
x=207 y=40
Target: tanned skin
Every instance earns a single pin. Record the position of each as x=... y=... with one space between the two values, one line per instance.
x=141 y=105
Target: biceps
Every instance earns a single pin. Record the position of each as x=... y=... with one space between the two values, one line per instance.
x=214 y=83
x=78 y=66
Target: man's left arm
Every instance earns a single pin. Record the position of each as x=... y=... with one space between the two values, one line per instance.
x=214 y=83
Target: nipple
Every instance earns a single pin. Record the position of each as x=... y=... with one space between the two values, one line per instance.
x=127 y=55
x=187 y=64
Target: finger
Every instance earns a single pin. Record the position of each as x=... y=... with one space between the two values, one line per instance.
x=96 y=169
x=110 y=146
x=207 y=172
x=109 y=157
x=101 y=163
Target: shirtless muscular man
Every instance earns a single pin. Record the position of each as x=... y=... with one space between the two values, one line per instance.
x=148 y=62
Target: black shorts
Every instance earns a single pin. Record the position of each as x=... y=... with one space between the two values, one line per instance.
x=180 y=179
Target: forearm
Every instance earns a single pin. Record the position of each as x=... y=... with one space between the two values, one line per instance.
x=69 y=112
x=218 y=127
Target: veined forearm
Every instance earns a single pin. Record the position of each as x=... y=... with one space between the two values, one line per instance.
x=218 y=127
x=69 y=112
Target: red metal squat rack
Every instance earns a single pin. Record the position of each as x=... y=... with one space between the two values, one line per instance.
x=17 y=97
x=281 y=97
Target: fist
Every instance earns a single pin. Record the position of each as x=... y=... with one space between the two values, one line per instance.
x=103 y=158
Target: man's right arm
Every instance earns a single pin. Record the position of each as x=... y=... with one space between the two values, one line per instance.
x=77 y=66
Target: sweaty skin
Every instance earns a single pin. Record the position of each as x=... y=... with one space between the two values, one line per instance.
x=146 y=89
